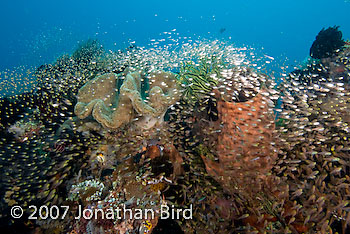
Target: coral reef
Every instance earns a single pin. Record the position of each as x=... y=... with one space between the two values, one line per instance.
x=247 y=155
x=333 y=68
x=37 y=162
x=315 y=153
x=128 y=191
x=99 y=98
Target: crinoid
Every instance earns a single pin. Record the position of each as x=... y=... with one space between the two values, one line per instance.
x=199 y=79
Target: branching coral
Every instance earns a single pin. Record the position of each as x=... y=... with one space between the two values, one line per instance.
x=100 y=98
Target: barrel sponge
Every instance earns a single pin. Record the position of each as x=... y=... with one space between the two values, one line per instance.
x=99 y=98
x=245 y=145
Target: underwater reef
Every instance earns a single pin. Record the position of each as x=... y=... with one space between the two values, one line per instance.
x=197 y=128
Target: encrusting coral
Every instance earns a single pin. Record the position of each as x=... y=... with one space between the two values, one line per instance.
x=99 y=98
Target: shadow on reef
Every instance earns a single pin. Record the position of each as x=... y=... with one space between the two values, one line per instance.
x=166 y=226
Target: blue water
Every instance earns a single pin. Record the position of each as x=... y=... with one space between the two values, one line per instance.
x=37 y=32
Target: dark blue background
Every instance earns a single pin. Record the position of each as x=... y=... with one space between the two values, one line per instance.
x=37 y=31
